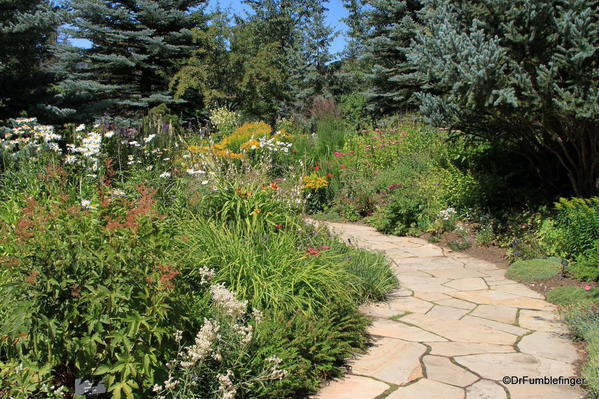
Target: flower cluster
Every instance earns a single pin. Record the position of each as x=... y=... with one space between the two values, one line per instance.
x=314 y=182
x=447 y=214
x=25 y=133
x=226 y=300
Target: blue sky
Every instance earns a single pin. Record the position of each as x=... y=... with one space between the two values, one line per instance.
x=335 y=13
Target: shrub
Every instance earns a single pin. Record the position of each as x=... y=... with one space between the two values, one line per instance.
x=92 y=291
x=587 y=265
x=534 y=269
x=353 y=109
x=404 y=214
x=577 y=221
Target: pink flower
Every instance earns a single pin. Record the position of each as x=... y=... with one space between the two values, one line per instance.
x=337 y=154
x=324 y=247
x=587 y=287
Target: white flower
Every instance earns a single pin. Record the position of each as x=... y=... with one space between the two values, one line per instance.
x=109 y=134
x=195 y=172
x=134 y=143
x=149 y=138
x=118 y=193
x=165 y=175
x=149 y=167
x=87 y=204
x=178 y=335
x=80 y=128
x=226 y=300
x=204 y=182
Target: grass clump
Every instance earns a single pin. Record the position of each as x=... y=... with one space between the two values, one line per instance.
x=584 y=322
x=571 y=295
x=534 y=269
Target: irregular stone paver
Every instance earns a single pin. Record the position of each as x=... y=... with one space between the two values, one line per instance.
x=541 y=321
x=508 y=328
x=549 y=345
x=427 y=389
x=460 y=330
x=476 y=322
x=468 y=284
x=352 y=387
x=456 y=303
x=394 y=329
x=502 y=314
x=466 y=348
x=446 y=312
x=485 y=389
x=441 y=369
x=391 y=360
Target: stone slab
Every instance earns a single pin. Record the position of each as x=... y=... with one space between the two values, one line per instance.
x=394 y=329
x=500 y=313
x=466 y=348
x=426 y=389
x=441 y=369
x=391 y=360
x=352 y=387
x=548 y=345
x=460 y=330
x=485 y=389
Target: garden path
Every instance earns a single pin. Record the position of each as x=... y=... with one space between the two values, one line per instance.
x=454 y=329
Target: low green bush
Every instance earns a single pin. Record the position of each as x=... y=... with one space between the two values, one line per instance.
x=586 y=266
x=571 y=295
x=573 y=229
x=534 y=269
x=583 y=320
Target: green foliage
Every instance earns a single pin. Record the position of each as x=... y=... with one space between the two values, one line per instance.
x=584 y=322
x=137 y=47
x=90 y=290
x=534 y=269
x=392 y=25
x=353 y=109
x=27 y=32
x=577 y=221
x=520 y=72
x=404 y=214
x=570 y=295
x=587 y=265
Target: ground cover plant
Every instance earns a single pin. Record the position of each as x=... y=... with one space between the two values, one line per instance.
x=114 y=279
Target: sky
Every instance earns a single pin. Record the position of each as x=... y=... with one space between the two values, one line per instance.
x=335 y=14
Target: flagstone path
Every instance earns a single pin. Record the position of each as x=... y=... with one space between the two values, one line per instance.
x=453 y=330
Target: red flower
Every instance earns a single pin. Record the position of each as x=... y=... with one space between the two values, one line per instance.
x=337 y=154
x=342 y=166
x=312 y=252
x=324 y=247
x=274 y=185
x=330 y=175
x=278 y=226
x=294 y=150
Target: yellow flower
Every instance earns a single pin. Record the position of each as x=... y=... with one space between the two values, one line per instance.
x=255 y=212
x=314 y=182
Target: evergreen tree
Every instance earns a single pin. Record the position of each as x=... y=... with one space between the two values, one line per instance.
x=522 y=72
x=357 y=28
x=391 y=80
x=136 y=47
x=309 y=57
x=27 y=30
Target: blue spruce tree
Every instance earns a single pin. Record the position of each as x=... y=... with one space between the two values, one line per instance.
x=523 y=73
